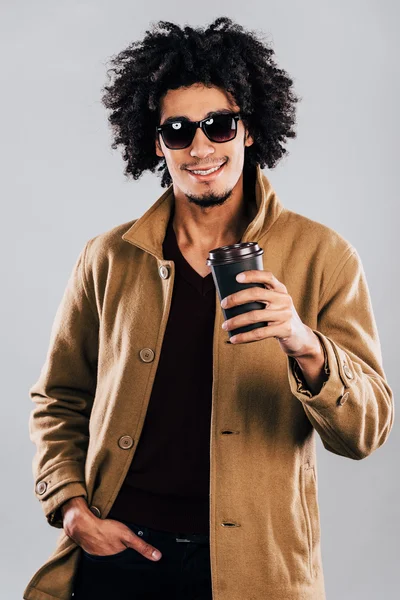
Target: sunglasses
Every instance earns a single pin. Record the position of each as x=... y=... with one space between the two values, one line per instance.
x=218 y=128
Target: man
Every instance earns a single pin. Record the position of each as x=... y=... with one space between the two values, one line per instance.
x=154 y=431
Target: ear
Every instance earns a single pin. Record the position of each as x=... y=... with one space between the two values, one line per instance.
x=159 y=152
x=248 y=139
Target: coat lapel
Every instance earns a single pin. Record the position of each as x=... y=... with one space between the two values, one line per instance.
x=149 y=230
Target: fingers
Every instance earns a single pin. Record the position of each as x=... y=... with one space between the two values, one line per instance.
x=144 y=548
x=254 y=294
x=109 y=544
x=262 y=276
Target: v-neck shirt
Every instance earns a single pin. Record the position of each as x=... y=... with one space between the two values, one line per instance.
x=202 y=284
x=167 y=484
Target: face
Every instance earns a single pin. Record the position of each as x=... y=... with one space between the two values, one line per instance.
x=195 y=102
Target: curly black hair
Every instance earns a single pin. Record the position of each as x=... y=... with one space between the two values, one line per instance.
x=222 y=55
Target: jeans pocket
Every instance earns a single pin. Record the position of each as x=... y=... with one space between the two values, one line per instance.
x=105 y=557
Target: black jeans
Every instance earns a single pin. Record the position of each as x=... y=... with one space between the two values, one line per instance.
x=182 y=573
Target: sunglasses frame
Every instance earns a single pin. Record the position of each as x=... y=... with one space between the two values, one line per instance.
x=201 y=124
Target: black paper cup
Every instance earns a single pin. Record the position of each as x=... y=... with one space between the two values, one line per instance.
x=226 y=262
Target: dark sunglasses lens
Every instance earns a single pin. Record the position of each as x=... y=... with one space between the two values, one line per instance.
x=222 y=128
x=178 y=135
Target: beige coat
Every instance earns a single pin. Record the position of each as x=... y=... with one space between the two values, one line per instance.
x=94 y=388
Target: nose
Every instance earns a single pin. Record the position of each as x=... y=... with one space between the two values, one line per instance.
x=201 y=145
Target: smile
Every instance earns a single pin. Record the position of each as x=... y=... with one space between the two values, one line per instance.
x=208 y=174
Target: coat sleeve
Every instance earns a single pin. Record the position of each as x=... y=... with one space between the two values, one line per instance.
x=354 y=410
x=63 y=397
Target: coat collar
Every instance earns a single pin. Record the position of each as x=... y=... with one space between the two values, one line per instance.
x=148 y=232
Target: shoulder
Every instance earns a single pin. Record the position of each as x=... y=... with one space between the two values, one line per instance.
x=310 y=251
x=108 y=242
x=312 y=238
x=106 y=250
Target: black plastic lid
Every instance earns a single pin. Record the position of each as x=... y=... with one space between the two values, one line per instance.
x=233 y=253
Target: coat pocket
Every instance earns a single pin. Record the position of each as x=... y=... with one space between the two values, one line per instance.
x=309 y=497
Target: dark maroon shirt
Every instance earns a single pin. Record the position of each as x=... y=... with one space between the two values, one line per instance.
x=167 y=485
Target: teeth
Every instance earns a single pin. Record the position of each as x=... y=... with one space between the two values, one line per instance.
x=207 y=172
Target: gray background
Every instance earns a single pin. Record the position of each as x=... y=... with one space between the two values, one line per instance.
x=62 y=184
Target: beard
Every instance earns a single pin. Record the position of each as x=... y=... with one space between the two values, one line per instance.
x=209 y=199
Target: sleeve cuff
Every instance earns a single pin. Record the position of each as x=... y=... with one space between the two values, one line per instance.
x=336 y=366
x=58 y=484
x=54 y=517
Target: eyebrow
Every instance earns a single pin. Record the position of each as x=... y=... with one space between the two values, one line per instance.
x=222 y=111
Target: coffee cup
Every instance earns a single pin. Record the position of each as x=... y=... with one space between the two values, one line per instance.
x=226 y=262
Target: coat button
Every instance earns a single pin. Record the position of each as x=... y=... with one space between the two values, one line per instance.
x=41 y=487
x=164 y=272
x=95 y=511
x=347 y=371
x=125 y=442
x=146 y=354
x=343 y=398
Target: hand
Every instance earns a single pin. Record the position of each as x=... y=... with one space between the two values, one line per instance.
x=284 y=324
x=104 y=537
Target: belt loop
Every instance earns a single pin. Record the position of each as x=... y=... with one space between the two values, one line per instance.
x=199 y=538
